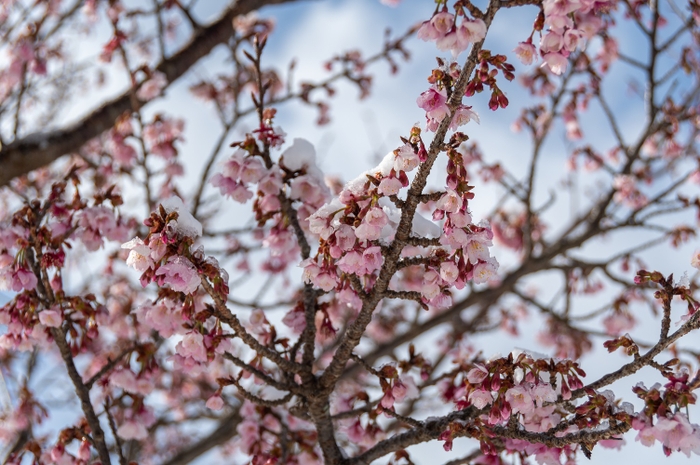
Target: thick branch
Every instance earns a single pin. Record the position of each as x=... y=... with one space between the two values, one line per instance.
x=83 y=394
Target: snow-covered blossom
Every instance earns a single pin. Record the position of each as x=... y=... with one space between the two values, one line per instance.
x=186 y=224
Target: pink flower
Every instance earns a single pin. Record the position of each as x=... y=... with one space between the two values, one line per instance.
x=388 y=399
x=520 y=399
x=139 y=252
x=618 y=323
x=231 y=188
x=427 y=31
x=152 y=88
x=295 y=320
x=478 y=247
x=434 y=102
x=192 y=345
x=50 y=318
x=84 y=450
x=376 y=217
x=526 y=52
x=556 y=62
x=471 y=30
x=372 y=224
x=695 y=261
x=443 y=22
x=449 y=272
x=271 y=183
x=248 y=433
x=463 y=114
x=23 y=279
x=325 y=281
x=372 y=259
x=351 y=262
x=180 y=274
x=572 y=39
x=345 y=237
x=132 y=430
x=407 y=159
x=450 y=202
x=307 y=189
x=552 y=42
x=480 y=398
x=215 y=402
x=389 y=186
x=252 y=170
x=677 y=433
x=477 y=374
x=96 y=224
x=405 y=388
x=484 y=271
x=542 y=393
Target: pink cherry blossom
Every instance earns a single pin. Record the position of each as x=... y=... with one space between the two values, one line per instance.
x=406 y=158
x=192 y=345
x=179 y=274
x=485 y=270
x=463 y=114
x=51 y=318
x=434 y=102
x=215 y=402
x=139 y=255
x=480 y=398
x=477 y=374
x=450 y=202
x=449 y=272
x=404 y=388
x=471 y=30
x=427 y=31
x=132 y=429
x=153 y=87
x=372 y=259
x=556 y=62
x=695 y=260
x=443 y=22
x=543 y=392
x=389 y=186
x=552 y=42
x=520 y=399
x=526 y=52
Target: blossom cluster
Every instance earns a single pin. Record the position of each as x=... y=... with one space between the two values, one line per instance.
x=165 y=257
x=522 y=388
x=354 y=227
x=662 y=418
x=33 y=247
x=443 y=29
x=569 y=23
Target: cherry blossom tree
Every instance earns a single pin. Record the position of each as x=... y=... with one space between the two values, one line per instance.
x=286 y=315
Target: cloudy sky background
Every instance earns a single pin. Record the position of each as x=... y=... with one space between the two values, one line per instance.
x=361 y=132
